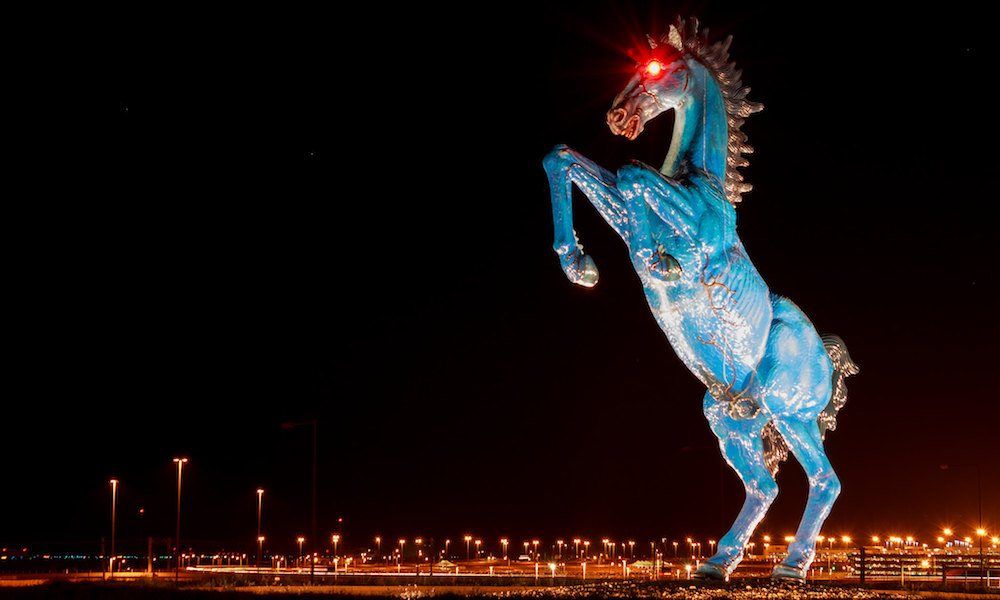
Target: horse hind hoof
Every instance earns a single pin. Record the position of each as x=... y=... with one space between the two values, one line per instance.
x=710 y=571
x=787 y=573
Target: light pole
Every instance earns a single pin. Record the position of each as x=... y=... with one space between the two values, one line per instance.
x=114 y=498
x=312 y=540
x=468 y=539
x=980 y=532
x=177 y=540
x=300 y=539
x=260 y=501
x=378 y=547
x=260 y=550
x=503 y=542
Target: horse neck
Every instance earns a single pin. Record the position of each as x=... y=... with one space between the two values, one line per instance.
x=701 y=133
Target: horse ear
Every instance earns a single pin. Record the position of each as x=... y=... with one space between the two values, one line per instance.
x=674 y=38
x=652 y=43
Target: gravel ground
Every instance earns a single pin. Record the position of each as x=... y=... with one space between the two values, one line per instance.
x=700 y=591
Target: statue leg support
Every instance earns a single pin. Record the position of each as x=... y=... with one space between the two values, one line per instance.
x=740 y=441
x=564 y=168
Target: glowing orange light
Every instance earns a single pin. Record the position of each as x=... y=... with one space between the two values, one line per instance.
x=654 y=67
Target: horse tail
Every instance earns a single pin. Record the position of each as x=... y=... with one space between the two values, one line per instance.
x=843 y=367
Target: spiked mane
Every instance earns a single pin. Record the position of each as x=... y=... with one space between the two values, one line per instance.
x=685 y=37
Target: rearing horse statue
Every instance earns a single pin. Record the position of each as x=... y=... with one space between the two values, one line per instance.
x=774 y=384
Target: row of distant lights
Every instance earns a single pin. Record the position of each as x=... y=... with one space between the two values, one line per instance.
x=909 y=540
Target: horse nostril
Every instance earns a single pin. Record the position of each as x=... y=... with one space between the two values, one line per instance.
x=616 y=117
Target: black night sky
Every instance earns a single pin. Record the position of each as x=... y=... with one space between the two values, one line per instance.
x=239 y=219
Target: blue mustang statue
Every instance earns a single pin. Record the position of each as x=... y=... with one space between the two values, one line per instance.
x=774 y=384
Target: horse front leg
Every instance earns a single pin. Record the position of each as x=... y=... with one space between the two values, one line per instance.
x=564 y=168
x=640 y=189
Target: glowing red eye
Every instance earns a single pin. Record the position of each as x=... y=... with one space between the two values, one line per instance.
x=654 y=67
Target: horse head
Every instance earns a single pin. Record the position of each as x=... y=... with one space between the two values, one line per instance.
x=684 y=72
x=660 y=83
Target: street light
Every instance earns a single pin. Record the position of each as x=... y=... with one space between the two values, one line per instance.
x=260 y=496
x=260 y=549
x=300 y=539
x=468 y=539
x=180 y=467
x=980 y=532
x=114 y=498
x=503 y=542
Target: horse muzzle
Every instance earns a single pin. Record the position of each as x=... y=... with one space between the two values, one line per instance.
x=621 y=123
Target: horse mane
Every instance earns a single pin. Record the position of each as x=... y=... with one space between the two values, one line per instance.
x=685 y=37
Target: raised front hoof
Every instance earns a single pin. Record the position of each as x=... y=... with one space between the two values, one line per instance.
x=710 y=571
x=787 y=573
x=582 y=271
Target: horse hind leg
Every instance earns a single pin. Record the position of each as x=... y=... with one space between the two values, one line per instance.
x=806 y=444
x=742 y=447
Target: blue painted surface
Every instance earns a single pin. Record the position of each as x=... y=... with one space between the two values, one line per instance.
x=771 y=378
